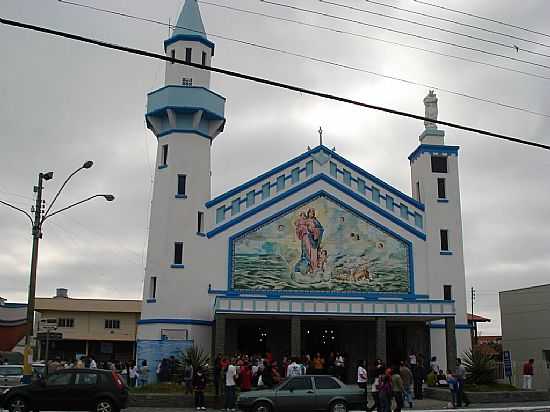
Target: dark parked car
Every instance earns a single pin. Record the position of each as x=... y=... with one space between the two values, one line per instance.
x=69 y=390
x=305 y=393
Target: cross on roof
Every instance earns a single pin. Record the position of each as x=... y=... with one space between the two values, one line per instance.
x=320 y=131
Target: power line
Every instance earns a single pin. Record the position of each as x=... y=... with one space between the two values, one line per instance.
x=318 y=60
x=429 y=26
x=482 y=18
x=332 y=16
x=302 y=23
x=471 y=26
x=268 y=82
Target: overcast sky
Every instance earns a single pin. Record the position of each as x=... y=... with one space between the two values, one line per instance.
x=64 y=102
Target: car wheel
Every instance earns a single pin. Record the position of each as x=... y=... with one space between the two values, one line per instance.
x=105 y=405
x=338 y=406
x=262 y=407
x=17 y=405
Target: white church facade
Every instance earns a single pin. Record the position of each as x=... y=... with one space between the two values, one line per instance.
x=314 y=255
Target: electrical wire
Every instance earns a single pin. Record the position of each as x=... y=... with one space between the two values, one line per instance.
x=482 y=18
x=332 y=16
x=471 y=26
x=318 y=60
x=429 y=26
x=302 y=23
x=268 y=82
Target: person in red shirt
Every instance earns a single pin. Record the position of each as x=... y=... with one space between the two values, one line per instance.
x=528 y=372
x=245 y=377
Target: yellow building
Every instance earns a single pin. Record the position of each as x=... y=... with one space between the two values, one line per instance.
x=103 y=328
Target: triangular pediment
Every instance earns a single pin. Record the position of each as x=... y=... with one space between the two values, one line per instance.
x=298 y=174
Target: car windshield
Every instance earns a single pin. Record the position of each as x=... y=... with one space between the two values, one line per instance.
x=11 y=370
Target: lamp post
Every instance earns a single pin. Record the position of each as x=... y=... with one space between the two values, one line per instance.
x=36 y=223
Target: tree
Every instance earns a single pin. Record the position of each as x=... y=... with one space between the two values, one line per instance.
x=480 y=367
x=198 y=358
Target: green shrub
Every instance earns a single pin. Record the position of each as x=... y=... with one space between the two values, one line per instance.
x=480 y=368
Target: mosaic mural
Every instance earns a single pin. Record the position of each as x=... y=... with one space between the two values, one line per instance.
x=320 y=246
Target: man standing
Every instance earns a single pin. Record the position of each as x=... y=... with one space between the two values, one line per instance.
x=461 y=379
x=528 y=372
x=230 y=378
x=407 y=377
x=419 y=376
x=397 y=387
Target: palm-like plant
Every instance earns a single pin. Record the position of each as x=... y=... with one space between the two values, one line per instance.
x=480 y=367
x=196 y=357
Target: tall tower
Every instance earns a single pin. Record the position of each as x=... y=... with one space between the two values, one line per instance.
x=435 y=182
x=185 y=116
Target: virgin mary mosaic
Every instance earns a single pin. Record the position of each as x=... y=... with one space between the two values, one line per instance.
x=320 y=246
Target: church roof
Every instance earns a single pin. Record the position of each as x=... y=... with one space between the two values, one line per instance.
x=319 y=164
x=189 y=25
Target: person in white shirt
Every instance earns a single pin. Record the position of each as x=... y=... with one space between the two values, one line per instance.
x=294 y=369
x=362 y=375
x=93 y=363
x=230 y=378
x=133 y=374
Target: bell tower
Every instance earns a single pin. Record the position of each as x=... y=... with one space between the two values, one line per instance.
x=185 y=116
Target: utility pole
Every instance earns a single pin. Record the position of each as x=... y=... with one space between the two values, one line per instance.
x=473 y=320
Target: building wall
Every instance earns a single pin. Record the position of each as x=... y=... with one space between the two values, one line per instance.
x=91 y=325
x=525 y=316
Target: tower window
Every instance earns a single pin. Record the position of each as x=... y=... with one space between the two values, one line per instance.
x=441 y=192
x=204 y=58
x=164 y=155
x=153 y=287
x=182 y=185
x=220 y=214
x=188 y=54
x=309 y=168
x=447 y=292
x=200 y=222
x=173 y=53
x=389 y=202
x=333 y=169
x=444 y=238
x=347 y=177
x=404 y=212
x=187 y=82
x=361 y=186
x=178 y=253
x=439 y=164
x=295 y=175
x=418 y=192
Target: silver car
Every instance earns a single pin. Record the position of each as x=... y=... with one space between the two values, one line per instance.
x=10 y=375
x=304 y=393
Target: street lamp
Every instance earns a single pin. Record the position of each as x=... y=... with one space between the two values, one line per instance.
x=36 y=223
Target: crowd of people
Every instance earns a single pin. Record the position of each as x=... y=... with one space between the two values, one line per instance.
x=402 y=384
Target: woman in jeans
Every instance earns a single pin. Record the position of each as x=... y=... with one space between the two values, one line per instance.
x=385 y=393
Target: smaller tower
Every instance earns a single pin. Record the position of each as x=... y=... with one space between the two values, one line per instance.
x=435 y=183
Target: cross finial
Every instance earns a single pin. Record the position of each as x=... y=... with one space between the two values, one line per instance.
x=320 y=131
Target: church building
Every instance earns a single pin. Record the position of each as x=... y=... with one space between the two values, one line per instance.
x=313 y=255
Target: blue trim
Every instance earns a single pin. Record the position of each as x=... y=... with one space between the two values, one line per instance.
x=15 y=305
x=442 y=326
x=177 y=266
x=443 y=200
x=272 y=312
x=301 y=157
x=175 y=322
x=184 y=109
x=170 y=131
x=201 y=234
x=13 y=322
x=343 y=205
x=177 y=196
x=189 y=37
x=151 y=301
x=333 y=183
x=297 y=295
x=433 y=148
x=162 y=167
x=187 y=87
x=445 y=253
x=376 y=180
